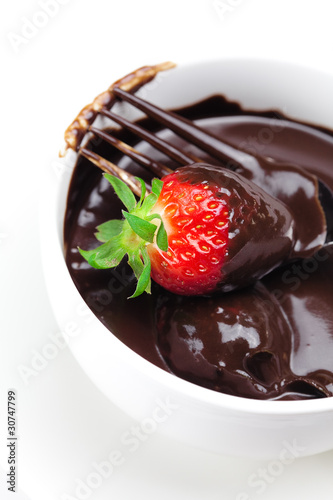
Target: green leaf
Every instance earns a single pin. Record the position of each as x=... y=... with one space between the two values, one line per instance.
x=144 y=281
x=148 y=203
x=162 y=238
x=156 y=187
x=107 y=255
x=143 y=191
x=141 y=227
x=122 y=191
x=109 y=229
x=136 y=263
x=130 y=235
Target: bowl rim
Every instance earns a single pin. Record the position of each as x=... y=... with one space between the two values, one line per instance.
x=198 y=393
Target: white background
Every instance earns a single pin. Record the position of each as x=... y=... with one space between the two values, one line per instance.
x=48 y=73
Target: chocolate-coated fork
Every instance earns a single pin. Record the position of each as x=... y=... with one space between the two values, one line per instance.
x=226 y=155
x=155 y=167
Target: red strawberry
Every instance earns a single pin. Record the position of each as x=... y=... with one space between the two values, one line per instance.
x=202 y=229
x=196 y=221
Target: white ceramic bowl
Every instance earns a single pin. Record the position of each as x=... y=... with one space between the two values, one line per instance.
x=157 y=399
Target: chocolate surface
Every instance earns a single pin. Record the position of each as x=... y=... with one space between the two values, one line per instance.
x=273 y=340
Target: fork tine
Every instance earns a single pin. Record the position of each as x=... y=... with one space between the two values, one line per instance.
x=155 y=167
x=133 y=81
x=186 y=129
x=160 y=144
x=111 y=168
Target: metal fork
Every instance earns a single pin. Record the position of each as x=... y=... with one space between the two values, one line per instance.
x=225 y=154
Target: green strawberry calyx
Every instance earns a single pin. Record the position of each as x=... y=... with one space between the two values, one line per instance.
x=131 y=235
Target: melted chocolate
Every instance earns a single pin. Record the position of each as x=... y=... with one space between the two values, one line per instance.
x=273 y=340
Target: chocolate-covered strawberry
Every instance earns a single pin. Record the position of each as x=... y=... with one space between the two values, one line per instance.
x=202 y=229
